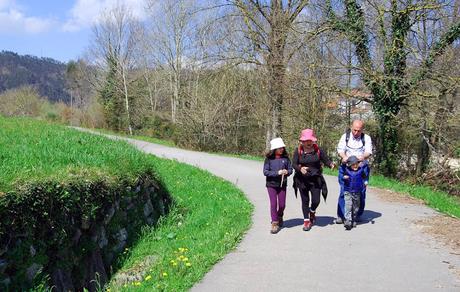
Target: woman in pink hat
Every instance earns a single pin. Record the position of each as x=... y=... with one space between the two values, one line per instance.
x=308 y=174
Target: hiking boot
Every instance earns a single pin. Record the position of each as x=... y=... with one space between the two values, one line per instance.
x=275 y=227
x=338 y=220
x=306 y=225
x=312 y=217
x=280 y=221
x=348 y=225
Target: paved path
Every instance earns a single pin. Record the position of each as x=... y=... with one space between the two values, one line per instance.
x=386 y=253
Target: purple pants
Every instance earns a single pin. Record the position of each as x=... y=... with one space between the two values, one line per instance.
x=277 y=197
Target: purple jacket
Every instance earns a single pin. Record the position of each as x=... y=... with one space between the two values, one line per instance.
x=271 y=168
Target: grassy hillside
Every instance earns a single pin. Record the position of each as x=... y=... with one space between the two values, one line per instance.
x=34 y=150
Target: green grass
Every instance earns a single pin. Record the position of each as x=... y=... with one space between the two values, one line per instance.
x=437 y=200
x=35 y=150
x=143 y=138
x=208 y=220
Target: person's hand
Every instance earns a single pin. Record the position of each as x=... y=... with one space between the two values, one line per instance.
x=304 y=170
x=282 y=171
x=344 y=159
x=332 y=166
x=360 y=158
x=346 y=177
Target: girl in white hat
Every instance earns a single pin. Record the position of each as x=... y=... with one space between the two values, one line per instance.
x=277 y=167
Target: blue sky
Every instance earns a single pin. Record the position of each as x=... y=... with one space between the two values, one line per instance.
x=58 y=29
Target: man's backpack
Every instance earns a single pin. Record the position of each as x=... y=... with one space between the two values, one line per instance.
x=347 y=137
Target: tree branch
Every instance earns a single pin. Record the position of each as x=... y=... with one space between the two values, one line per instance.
x=438 y=49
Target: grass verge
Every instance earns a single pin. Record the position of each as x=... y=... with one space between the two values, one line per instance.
x=163 y=142
x=209 y=218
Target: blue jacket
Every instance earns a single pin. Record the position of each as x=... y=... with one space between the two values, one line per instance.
x=355 y=182
x=271 y=168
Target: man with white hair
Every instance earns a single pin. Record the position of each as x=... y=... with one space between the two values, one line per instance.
x=354 y=143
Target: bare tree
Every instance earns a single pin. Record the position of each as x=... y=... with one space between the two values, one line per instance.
x=115 y=42
x=171 y=38
x=268 y=27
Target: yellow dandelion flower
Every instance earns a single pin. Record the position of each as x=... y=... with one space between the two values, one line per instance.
x=174 y=264
x=165 y=274
x=137 y=283
x=148 y=278
x=188 y=264
x=185 y=259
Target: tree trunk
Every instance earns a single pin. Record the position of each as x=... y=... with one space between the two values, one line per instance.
x=387 y=157
x=125 y=92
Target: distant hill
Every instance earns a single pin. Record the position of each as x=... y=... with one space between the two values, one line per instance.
x=46 y=75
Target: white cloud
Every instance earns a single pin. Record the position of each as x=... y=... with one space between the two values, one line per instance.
x=5 y=4
x=85 y=13
x=14 y=21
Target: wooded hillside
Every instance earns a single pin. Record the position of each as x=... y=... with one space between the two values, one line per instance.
x=46 y=75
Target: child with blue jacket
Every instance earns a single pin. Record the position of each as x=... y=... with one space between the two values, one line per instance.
x=354 y=178
x=277 y=167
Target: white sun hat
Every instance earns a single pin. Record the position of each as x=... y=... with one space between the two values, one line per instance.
x=276 y=143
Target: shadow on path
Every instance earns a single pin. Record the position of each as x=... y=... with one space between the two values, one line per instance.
x=369 y=216
x=321 y=221
x=293 y=222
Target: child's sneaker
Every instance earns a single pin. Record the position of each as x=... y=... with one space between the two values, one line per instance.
x=348 y=225
x=306 y=225
x=275 y=228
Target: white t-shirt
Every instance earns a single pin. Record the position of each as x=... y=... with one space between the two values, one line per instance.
x=355 y=145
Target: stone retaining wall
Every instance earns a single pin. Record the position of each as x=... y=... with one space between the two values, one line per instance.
x=88 y=248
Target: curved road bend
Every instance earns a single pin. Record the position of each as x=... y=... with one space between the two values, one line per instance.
x=387 y=252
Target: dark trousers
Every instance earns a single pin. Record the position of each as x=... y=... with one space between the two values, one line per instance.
x=277 y=202
x=310 y=186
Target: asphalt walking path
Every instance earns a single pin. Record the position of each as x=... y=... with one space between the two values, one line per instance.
x=385 y=252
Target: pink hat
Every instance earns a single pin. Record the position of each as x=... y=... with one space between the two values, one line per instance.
x=307 y=134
